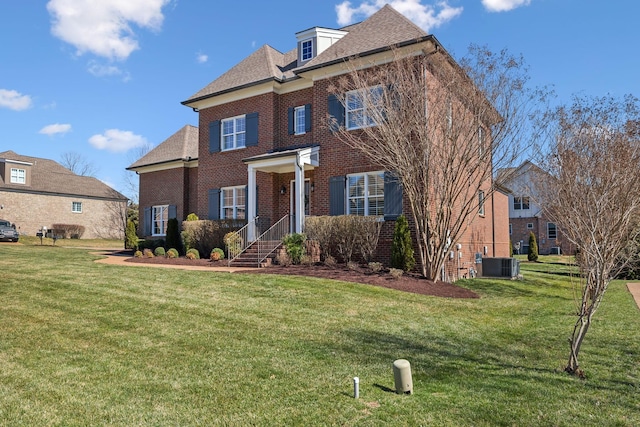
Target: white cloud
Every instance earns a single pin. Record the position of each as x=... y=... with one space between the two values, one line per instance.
x=424 y=15
x=101 y=70
x=201 y=58
x=503 y=5
x=14 y=100
x=117 y=141
x=55 y=128
x=104 y=27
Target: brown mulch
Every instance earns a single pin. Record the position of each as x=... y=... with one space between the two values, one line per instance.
x=409 y=282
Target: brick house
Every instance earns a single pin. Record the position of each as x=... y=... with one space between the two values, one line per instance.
x=168 y=181
x=36 y=192
x=526 y=215
x=266 y=152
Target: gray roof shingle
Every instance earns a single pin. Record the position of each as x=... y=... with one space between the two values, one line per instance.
x=48 y=176
x=383 y=29
x=182 y=145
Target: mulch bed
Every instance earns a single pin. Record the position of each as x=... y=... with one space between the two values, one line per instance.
x=409 y=282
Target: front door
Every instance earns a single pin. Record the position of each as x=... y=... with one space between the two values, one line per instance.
x=292 y=203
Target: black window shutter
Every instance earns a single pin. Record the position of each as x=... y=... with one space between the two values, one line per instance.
x=147 y=221
x=307 y=118
x=336 y=111
x=214 y=136
x=337 y=195
x=251 y=129
x=291 y=120
x=173 y=211
x=392 y=197
x=214 y=203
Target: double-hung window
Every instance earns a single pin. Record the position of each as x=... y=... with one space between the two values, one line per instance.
x=365 y=194
x=18 y=176
x=520 y=203
x=361 y=105
x=232 y=203
x=306 y=50
x=234 y=133
x=552 y=231
x=300 y=116
x=159 y=220
x=76 y=207
x=480 y=202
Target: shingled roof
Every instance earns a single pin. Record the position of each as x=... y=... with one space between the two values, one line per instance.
x=48 y=176
x=182 y=145
x=380 y=31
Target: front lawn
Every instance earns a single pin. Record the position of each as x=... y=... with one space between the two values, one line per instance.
x=92 y=344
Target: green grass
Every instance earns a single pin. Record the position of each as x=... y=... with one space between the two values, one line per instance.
x=92 y=344
x=73 y=243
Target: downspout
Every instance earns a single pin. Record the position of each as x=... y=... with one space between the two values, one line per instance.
x=493 y=222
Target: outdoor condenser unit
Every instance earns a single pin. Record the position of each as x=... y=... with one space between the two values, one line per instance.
x=500 y=267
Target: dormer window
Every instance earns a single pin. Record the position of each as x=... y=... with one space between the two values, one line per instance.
x=18 y=176
x=306 y=51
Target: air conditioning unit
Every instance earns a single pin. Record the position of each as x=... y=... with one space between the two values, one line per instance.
x=500 y=267
x=555 y=250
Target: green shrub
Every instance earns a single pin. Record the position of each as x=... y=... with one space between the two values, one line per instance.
x=173 y=253
x=533 y=248
x=131 y=237
x=193 y=254
x=173 y=239
x=150 y=244
x=402 y=246
x=159 y=251
x=192 y=217
x=294 y=244
x=217 y=254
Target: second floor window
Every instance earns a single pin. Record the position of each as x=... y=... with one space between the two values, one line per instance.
x=76 y=207
x=520 y=203
x=365 y=194
x=232 y=203
x=360 y=105
x=300 y=120
x=18 y=176
x=233 y=133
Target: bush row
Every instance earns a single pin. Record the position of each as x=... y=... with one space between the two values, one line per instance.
x=345 y=237
x=67 y=231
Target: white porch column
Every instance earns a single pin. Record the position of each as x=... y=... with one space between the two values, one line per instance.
x=299 y=196
x=251 y=203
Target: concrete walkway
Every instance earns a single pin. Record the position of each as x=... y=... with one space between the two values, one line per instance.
x=634 y=288
x=117 y=258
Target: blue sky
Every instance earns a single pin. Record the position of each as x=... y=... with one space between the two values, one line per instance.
x=104 y=78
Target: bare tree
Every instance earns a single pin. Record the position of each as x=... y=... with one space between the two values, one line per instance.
x=131 y=179
x=77 y=164
x=442 y=129
x=592 y=192
x=113 y=224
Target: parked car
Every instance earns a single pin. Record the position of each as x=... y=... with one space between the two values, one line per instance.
x=8 y=231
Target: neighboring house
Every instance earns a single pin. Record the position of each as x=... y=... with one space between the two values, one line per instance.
x=36 y=193
x=266 y=152
x=526 y=215
x=168 y=181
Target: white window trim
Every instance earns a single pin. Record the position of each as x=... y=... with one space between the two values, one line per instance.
x=163 y=221
x=235 y=133
x=73 y=207
x=18 y=176
x=297 y=123
x=529 y=226
x=302 y=43
x=481 y=200
x=365 y=108
x=556 y=231
x=366 y=196
x=520 y=201
x=235 y=204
